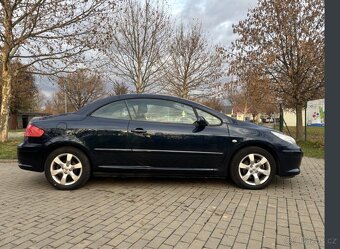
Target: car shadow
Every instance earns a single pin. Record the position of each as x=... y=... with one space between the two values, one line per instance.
x=159 y=181
x=39 y=181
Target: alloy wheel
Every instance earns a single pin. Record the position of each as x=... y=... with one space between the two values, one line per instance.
x=66 y=169
x=254 y=169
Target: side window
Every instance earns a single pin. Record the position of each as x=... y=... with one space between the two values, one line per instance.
x=157 y=110
x=115 y=110
x=212 y=120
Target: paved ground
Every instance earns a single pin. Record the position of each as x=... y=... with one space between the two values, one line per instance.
x=161 y=213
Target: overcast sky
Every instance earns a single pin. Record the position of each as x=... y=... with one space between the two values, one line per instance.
x=216 y=17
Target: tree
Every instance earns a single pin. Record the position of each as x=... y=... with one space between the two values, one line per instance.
x=193 y=66
x=25 y=92
x=47 y=36
x=251 y=93
x=119 y=88
x=56 y=104
x=214 y=103
x=81 y=87
x=284 y=41
x=136 y=51
x=40 y=101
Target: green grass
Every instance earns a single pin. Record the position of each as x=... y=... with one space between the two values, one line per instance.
x=18 y=130
x=312 y=149
x=314 y=134
x=8 y=149
x=315 y=144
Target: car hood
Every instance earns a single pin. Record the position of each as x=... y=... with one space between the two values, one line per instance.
x=251 y=125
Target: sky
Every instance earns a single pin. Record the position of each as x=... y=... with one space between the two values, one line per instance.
x=216 y=16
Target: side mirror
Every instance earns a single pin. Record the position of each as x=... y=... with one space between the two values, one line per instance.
x=201 y=122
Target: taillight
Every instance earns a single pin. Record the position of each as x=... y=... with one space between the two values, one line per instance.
x=33 y=131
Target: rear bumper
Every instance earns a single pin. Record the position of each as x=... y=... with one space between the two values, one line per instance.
x=289 y=162
x=30 y=156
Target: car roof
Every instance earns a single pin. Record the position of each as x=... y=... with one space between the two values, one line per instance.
x=101 y=102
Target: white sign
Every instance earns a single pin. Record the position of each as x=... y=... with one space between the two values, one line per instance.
x=316 y=112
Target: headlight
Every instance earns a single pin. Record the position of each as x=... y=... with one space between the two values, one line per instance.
x=284 y=137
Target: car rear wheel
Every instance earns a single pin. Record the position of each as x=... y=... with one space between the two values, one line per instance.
x=67 y=168
x=252 y=168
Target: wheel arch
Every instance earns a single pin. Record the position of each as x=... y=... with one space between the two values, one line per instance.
x=56 y=145
x=264 y=145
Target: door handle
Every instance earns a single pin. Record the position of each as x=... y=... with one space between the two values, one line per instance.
x=139 y=130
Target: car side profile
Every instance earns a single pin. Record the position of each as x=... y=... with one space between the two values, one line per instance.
x=155 y=135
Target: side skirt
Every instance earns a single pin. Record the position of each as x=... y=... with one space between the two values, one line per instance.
x=147 y=171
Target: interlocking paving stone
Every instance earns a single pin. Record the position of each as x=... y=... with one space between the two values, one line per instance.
x=162 y=213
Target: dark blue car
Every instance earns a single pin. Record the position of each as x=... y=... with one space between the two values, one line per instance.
x=155 y=135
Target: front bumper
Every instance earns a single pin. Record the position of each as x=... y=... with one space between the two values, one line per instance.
x=289 y=162
x=30 y=156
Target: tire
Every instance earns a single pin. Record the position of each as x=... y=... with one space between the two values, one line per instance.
x=67 y=168
x=252 y=168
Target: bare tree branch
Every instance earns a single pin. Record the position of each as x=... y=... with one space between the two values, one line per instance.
x=49 y=36
x=82 y=87
x=194 y=66
x=137 y=51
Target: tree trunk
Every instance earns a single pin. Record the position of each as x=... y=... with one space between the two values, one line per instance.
x=254 y=118
x=299 y=124
x=5 y=103
x=245 y=111
x=185 y=93
x=6 y=72
x=139 y=88
x=139 y=85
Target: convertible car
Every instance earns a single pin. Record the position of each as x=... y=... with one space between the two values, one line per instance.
x=155 y=135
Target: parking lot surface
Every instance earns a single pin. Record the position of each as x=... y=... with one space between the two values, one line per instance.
x=162 y=213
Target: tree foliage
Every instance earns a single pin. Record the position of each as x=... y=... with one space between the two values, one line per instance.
x=214 y=103
x=25 y=94
x=284 y=41
x=56 y=104
x=251 y=93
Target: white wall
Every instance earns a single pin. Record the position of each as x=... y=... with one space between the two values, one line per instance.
x=290 y=117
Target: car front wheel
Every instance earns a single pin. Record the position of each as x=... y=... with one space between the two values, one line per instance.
x=67 y=168
x=252 y=168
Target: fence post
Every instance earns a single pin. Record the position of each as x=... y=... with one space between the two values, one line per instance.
x=281 y=118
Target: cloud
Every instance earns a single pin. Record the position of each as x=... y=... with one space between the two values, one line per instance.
x=216 y=16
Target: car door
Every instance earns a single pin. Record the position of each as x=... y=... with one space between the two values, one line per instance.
x=108 y=136
x=164 y=137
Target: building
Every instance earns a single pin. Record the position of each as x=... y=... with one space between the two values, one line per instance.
x=21 y=120
x=289 y=116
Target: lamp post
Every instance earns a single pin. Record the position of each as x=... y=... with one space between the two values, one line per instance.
x=281 y=117
x=65 y=96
